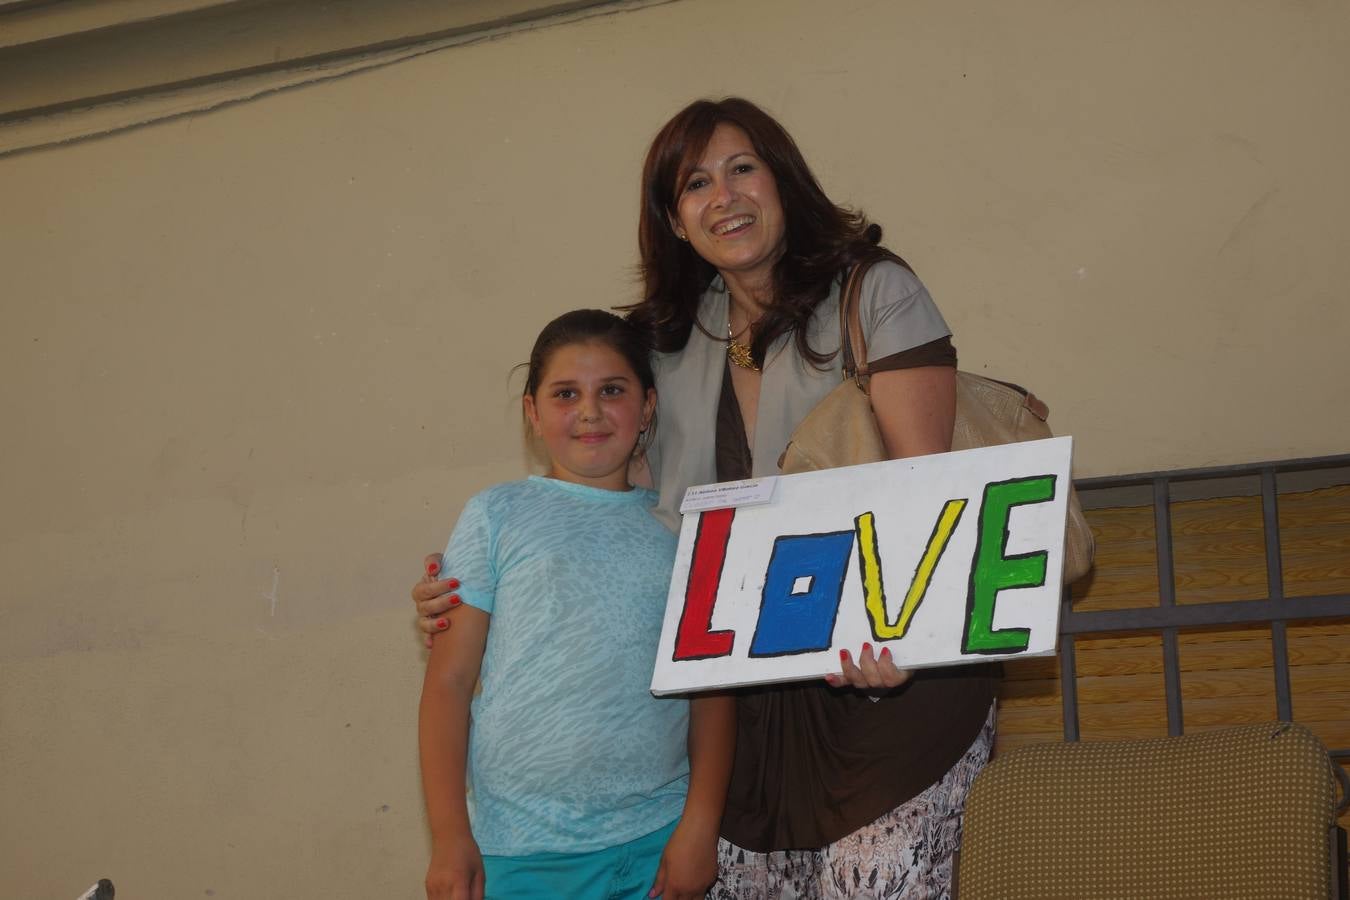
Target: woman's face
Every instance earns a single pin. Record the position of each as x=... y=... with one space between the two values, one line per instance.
x=728 y=208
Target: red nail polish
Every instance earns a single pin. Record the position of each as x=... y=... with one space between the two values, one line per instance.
x=441 y=623
x=843 y=655
x=452 y=583
x=886 y=652
x=454 y=600
x=867 y=648
x=432 y=568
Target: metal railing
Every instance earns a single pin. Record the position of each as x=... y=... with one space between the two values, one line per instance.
x=1168 y=617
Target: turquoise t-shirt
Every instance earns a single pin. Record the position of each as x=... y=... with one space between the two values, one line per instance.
x=568 y=750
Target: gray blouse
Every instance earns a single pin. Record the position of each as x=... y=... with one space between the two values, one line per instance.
x=897 y=314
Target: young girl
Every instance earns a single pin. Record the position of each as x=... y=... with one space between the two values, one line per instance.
x=577 y=778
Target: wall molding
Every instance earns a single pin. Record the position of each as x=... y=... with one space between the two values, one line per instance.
x=72 y=69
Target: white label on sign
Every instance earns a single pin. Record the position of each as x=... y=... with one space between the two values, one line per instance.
x=729 y=494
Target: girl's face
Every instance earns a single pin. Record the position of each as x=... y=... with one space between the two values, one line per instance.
x=728 y=207
x=589 y=409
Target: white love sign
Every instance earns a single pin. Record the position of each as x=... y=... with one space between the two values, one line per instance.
x=950 y=558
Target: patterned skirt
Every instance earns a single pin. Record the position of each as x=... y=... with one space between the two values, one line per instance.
x=907 y=854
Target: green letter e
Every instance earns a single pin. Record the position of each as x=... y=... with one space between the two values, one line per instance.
x=992 y=572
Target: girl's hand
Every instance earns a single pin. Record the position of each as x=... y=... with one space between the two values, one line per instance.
x=434 y=597
x=456 y=871
x=688 y=864
x=870 y=673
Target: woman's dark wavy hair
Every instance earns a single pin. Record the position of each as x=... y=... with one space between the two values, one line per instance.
x=823 y=239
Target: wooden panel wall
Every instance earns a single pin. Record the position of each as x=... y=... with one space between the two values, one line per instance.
x=1227 y=674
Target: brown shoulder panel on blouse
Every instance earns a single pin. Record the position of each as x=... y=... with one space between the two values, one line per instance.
x=940 y=352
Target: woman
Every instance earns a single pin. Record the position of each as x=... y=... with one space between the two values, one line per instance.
x=852 y=789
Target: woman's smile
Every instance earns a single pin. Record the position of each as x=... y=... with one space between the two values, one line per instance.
x=734 y=225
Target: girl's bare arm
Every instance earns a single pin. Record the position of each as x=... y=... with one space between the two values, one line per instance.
x=689 y=863
x=456 y=869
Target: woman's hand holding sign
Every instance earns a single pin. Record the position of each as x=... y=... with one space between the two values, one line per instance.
x=870 y=673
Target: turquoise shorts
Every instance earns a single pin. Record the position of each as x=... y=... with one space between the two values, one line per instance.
x=615 y=873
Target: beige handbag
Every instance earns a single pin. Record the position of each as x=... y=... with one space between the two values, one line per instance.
x=842 y=429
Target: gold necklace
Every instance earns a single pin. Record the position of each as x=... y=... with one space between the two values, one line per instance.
x=739 y=353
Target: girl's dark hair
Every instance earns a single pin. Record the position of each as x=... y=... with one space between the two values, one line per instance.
x=584 y=326
x=822 y=238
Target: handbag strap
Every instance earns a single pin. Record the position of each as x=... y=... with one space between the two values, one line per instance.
x=852 y=343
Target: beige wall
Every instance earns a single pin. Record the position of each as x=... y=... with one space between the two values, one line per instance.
x=253 y=361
